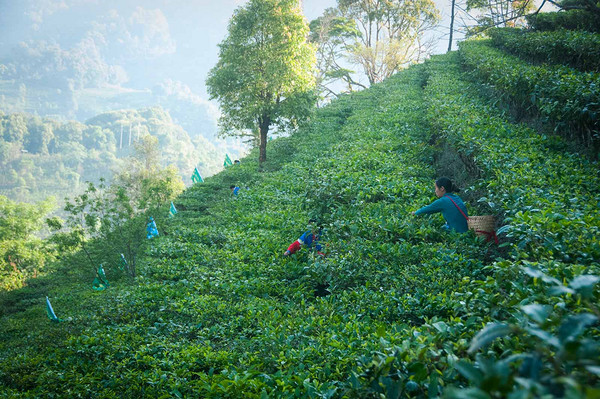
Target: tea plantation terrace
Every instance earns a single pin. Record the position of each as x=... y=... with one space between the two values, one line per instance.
x=397 y=308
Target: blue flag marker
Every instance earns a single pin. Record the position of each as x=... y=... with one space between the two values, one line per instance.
x=123 y=263
x=50 y=311
x=102 y=276
x=124 y=266
x=151 y=230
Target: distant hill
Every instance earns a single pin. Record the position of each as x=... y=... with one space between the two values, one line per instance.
x=41 y=157
x=190 y=111
x=71 y=61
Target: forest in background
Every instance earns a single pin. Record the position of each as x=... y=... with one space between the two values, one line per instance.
x=67 y=89
x=42 y=157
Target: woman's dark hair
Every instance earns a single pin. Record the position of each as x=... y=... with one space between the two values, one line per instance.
x=316 y=222
x=447 y=184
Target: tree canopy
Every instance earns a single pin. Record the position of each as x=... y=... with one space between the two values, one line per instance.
x=264 y=75
x=501 y=13
x=377 y=36
x=22 y=253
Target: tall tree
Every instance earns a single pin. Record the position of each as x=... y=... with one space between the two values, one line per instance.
x=40 y=135
x=586 y=5
x=379 y=36
x=264 y=75
x=15 y=128
x=498 y=13
x=331 y=33
x=452 y=15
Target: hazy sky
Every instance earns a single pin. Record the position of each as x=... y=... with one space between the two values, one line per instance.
x=154 y=40
x=185 y=32
x=216 y=18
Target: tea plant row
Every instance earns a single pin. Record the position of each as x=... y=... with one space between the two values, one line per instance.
x=397 y=308
x=578 y=49
x=568 y=98
x=580 y=20
x=547 y=193
x=548 y=198
x=217 y=311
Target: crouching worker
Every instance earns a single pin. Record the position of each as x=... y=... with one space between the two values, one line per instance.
x=450 y=205
x=310 y=239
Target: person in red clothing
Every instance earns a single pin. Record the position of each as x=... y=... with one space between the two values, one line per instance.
x=307 y=239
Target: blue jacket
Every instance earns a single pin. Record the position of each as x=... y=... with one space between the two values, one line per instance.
x=454 y=219
x=308 y=238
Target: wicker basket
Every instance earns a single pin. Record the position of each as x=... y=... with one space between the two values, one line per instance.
x=482 y=225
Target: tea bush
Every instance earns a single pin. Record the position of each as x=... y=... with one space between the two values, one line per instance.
x=397 y=308
x=549 y=201
x=568 y=98
x=578 y=49
x=545 y=193
x=573 y=20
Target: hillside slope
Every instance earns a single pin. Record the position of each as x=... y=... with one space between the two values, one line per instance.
x=397 y=307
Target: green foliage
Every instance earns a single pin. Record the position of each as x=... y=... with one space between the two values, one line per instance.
x=560 y=358
x=567 y=98
x=379 y=38
x=397 y=308
x=502 y=13
x=43 y=157
x=571 y=20
x=264 y=73
x=22 y=253
x=578 y=49
x=117 y=214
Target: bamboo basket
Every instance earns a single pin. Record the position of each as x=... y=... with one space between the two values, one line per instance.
x=482 y=225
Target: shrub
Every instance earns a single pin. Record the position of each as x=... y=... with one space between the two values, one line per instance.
x=578 y=49
x=568 y=98
x=572 y=20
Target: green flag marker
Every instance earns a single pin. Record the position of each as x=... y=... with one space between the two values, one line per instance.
x=173 y=210
x=227 y=161
x=97 y=285
x=123 y=264
x=196 y=178
x=50 y=311
x=100 y=282
x=102 y=276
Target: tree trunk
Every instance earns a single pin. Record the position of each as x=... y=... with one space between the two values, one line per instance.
x=451 y=25
x=264 y=122
x=88 y=256
x=13 y=264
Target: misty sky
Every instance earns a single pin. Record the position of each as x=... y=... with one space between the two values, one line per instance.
x=150 y=41
x=162 y=39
